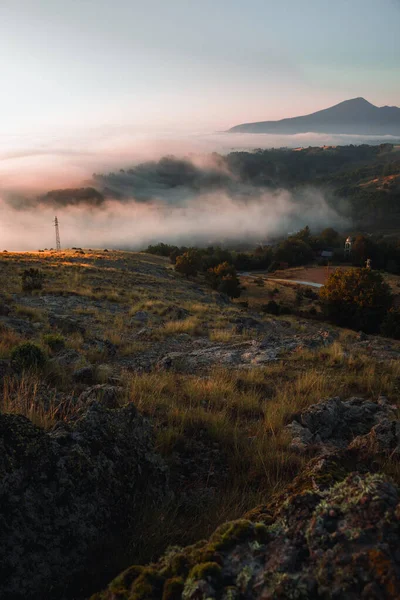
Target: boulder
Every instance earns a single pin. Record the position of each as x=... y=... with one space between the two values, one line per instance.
x=66 y=498
x=141 y=316
x=335 y=423
x=323 y=542
x=108 y=395
x=85 y=375
x=383 y=439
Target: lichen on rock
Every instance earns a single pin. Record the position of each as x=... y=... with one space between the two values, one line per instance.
x=332 y=534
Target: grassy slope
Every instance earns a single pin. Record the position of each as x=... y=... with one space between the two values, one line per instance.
x=231 y=423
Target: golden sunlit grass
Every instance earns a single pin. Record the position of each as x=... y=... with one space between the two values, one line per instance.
x=23 y=396
x=221 y=335
x=238 y=406
x=244 y=412
x=190 y=325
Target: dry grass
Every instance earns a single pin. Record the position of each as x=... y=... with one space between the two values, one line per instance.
x=244 y=411
x=33 y=314
x=190 y=325
x=24 y=396
x=8 y=340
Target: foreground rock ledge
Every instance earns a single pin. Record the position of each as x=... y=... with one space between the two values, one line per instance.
x=67 y=495
x=325 y=540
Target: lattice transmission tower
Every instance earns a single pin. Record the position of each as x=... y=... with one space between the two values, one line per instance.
x=58 y=243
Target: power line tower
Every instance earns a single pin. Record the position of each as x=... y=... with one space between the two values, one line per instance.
x=58 y=243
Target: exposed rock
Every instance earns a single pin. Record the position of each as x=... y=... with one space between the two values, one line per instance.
x=248 y=323
x=108 y=395
x=241 y=354
x=85 y=375
x=104 y=346
x=141 y=316
x=21 y=326
x=322 y=542
x=68 y=358
x=66 y=324
x=334 y=423
x=384 y=438
x=66 y=497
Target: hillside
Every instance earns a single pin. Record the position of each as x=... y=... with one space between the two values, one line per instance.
x=156 y=410
x=356 y=116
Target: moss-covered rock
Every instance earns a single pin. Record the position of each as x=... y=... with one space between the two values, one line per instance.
x=332 y=534
x=66 y=496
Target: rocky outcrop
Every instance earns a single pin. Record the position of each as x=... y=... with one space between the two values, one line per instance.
x=334 y=423
x=241 y=354
x=68 y=496
x=331 y=535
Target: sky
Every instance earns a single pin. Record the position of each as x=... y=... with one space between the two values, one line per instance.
x=188 y=65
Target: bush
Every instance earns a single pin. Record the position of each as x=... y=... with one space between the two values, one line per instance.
x=32 y=279
x=188 y=263
x=223 y=278
x=299 y=296
x=54 y=341
x=161 y=249
x=271 y=308
x=215 y=275
x=310 y=294
x=391 y=324
x=356 y=298
x=230 y=286
x=27 y=356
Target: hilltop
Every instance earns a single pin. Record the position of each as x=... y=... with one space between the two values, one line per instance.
x=356 y=116
x=158 y=410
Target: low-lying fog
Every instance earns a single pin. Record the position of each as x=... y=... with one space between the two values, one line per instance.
x=32 y=165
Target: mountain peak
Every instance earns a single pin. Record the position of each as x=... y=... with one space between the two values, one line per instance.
x=359 y=101
x=353 y=116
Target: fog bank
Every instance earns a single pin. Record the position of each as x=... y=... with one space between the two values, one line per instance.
x=204 y=219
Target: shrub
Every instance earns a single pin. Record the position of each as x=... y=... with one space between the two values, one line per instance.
x=230 y=286
x=284 y=309
x=391 y=324
x=310 y=294
x=188 y=263
x=223 y=278
x=32 y=279
x=27 y=356
x=356 y=298
x=271 y=308
x=215 y=275
x=299 y=296
x=54 y=341
x=161 y=249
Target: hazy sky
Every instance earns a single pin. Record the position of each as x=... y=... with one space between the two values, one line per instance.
x=190 y=64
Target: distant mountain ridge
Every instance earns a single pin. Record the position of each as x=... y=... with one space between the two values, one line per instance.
x=355 y=116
